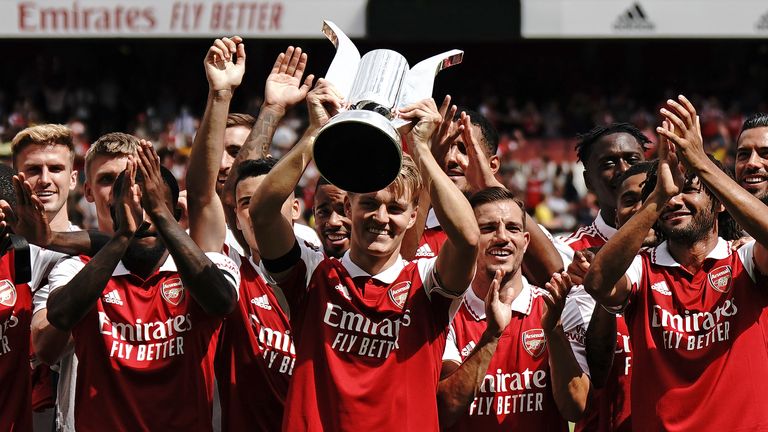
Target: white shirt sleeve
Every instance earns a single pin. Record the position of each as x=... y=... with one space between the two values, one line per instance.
x=63 y=272
x=747 y=257
x=565 y=251
x=579 y=306
x=635 y=270
x=228 y=267
x=451 y=352
x=428 y=275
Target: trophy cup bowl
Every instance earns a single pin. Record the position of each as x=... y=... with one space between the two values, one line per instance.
x=359 y=151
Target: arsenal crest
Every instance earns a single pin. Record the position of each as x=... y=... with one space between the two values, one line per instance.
x=173 y=291
x=398 y=293
x=720 y=278
x=534 y=342
x=7 y=293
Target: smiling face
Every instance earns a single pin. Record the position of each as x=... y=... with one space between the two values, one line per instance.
x=331 y=224
x=752 y=162
x=610 y=156
x=379 y=221
x=453 y=156
x=48 y=168
x=690 y=215
x=503 y=239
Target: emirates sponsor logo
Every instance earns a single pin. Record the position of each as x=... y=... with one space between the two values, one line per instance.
x=173 y=291
x=7 y=293
x=398 y=293
x=359 y=335
x=5 y=344
x=720 y=278
x=534 y=342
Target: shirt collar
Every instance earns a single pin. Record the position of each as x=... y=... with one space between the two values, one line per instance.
x=387 y=276
x=605 y=230
x=660 y=254
x=521 y=304
x=432 y=221
x=168 y=266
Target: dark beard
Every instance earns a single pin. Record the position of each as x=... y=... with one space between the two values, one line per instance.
x=702 y=223
x=138 y=258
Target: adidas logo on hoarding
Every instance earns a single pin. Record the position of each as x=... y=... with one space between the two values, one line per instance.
x=762 y=23
x=113 y=297
x=633 y=19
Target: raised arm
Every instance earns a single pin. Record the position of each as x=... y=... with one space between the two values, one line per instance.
x=206 y=213
x=570 y=385
x=205 y=281
x=68 y=304
x=606 y=280
x=748 y=211
x=461 y=383
x=456 y=259
x=283 y=90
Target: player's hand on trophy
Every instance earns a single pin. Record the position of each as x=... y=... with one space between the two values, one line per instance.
x=152 y=185
x=284 y=88
x=225 y=63
x=129 y=215
x=427 y=119
x=323 y=102
x=477 y=169
x=498 y=307
x=27 y=217
x=558 y=288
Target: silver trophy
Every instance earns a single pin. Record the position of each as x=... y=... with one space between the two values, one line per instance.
x=359 y=149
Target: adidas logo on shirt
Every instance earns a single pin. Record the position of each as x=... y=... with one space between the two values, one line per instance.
x=661 y=288
x=467 y=350
x=424 y=251
x=633 y=19
x=113 y=297
x=262 y=302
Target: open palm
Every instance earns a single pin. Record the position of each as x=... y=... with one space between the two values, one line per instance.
x=284 y=87
x=225 y=63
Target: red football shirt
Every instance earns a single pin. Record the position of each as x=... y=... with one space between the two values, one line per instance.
x=145 y=351
x=610 y=409
x=15 y=378
x=255 y=358
x=700 y=361
x=368 y=348
x=516 y=393
x=432 y=238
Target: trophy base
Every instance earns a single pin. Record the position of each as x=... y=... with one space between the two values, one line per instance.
x=358 y=151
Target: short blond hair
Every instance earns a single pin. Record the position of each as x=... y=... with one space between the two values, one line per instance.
x=45 y=134
x=113 y=144
x=407 y=180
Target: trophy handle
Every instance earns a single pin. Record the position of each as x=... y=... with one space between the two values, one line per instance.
x=420 y=80
x=345 y=63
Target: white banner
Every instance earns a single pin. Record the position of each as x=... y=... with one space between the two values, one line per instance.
x=180 y=18
x=644 y=18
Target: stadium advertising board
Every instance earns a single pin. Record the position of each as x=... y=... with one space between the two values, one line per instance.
x=644 y=18
x=178 y=18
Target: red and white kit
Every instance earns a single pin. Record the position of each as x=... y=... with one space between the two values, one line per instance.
x=516 y=393
x=255 y=357
x=368 y=348
x=432 y=238
x=610 y=410
x=700 y=359
x=145 y=351
x=15 y=319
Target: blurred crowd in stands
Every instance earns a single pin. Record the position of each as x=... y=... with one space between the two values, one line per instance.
x=537 y=133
